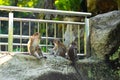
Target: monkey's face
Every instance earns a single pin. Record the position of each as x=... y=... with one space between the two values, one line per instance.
x=56 y=42
x=37 y=35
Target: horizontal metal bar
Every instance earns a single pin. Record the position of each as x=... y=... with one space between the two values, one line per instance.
x=43 y=21
x=82 y=54
x=46 y=11
x=12 y=53
x=15 y=36
x=23 y=37
x=18 y=44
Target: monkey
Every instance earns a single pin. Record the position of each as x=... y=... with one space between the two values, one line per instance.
x=33 y=46
x=72 y=54
x=59 y=48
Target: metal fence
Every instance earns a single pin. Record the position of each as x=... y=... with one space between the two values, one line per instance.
x=9 y=41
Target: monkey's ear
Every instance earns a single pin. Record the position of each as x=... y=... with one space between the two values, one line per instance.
x=37 y=33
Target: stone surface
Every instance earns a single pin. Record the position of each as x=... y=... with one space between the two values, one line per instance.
x=101 y=6
x=24 y=67
x=105 y=34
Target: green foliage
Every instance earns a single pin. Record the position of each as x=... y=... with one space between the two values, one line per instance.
x=18 y=49
x=44 y=49
x=5 y=2
x=71 y=5
x=27 y=3
x=20 y=3
x=115 y=61
x=115 y=55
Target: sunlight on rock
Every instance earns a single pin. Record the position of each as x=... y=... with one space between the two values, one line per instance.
x=4 y=58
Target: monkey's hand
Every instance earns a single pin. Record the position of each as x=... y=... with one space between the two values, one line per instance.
x=45 y=57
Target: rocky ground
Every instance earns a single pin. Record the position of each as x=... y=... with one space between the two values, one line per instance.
x=25 y=67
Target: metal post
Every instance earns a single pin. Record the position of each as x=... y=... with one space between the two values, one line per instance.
x=79 y=39
x=0 y=28
x=63 y=28
x=55 y=31
x=86 y=36
x=0 y=33
x=21 y=36
x=29 y=28
x=71 y=33
x=38 y=27
x=46 y=37
x=10 y=33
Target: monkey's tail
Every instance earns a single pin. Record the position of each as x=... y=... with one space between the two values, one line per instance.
x=80 y=75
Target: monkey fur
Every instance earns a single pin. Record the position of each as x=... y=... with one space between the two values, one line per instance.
x=72 y=52
x=33 y=46
x=59 y=48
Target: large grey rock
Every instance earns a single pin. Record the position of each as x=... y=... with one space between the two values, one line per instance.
x=105 y=34
x=24 y=67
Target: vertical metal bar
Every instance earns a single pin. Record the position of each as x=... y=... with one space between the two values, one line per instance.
x=86 y=36
x=10 y=33
x=38 y=27
x=63 y=28
x=21 y=36
x=6 y=47
x=29 y=28
x=54 y=30
x=70 y=32
x=78 y=38
x=46 y=36
x=0 y=33
x=0 y=28
x=0 y=48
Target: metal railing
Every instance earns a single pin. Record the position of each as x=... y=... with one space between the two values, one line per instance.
x=11 y=20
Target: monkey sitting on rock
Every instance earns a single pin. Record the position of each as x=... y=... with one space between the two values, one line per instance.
x=72 y=52
x=59 y=48
x=33 y=46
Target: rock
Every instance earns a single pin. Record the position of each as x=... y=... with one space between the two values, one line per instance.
x=105 y=34
x=101 y=6
x=25 y=67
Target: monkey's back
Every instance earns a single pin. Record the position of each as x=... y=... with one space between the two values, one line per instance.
x=71 y=54
x=61 y=51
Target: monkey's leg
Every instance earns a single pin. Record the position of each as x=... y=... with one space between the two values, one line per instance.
x=41 y=55
x=31 y=50
x=36 y=55
x=55 y=53
x=39 y=51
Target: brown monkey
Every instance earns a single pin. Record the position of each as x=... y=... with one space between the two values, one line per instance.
x=72 y=52
x=59 y=48
x=33 y=45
